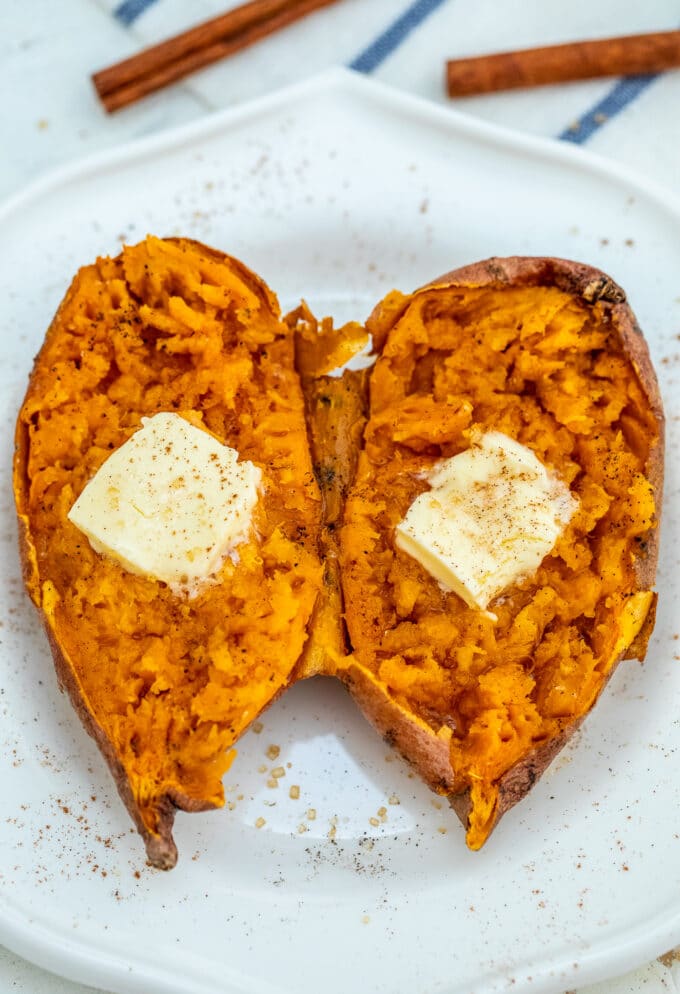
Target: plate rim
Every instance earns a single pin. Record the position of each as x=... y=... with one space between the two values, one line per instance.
x=340 y=78
x=77 y=960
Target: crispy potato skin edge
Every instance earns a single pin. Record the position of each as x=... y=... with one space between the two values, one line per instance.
x=427 y=752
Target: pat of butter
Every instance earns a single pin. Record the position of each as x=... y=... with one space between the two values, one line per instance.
x=492 y=515
x=170 y=504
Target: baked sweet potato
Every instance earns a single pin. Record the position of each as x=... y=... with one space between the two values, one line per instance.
x=543 y=350
x=167 y=684
x=547 y=352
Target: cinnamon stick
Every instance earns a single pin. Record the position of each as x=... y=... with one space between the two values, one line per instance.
x=631 y=54
x=153 y=68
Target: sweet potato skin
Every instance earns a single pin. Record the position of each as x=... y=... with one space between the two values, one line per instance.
x=426 y=750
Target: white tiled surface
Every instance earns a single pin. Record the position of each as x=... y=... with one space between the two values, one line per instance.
x=50 y=116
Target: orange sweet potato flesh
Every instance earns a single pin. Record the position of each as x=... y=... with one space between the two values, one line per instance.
x=549 y=353
x=544 y=350
x=166 y=685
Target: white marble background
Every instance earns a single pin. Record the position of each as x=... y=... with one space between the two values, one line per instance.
x=49 y=115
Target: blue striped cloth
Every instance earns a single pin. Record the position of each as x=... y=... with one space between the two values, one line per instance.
x=401 y=43
x=411 y=16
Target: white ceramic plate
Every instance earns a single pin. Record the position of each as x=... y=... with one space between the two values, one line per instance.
x=339 y=190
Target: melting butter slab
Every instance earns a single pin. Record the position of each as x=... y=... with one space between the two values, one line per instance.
x=492 y=515
x=170 y=504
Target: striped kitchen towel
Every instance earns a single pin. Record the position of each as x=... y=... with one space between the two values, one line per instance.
x=406 y=43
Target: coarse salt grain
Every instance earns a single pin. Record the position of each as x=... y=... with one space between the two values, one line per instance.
x=273 y=752
x=278 y=771
x=311 y=814
x=294 y=792
x=260 y=822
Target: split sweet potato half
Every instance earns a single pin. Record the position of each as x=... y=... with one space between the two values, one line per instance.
x=166 y=684
x=546 y=351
